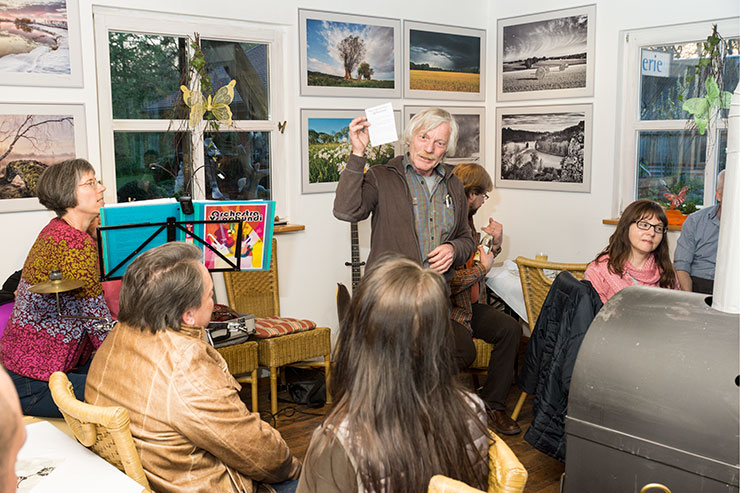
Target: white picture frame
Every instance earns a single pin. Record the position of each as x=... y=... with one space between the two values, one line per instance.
x=536 y=150
x=444 y=59
x=320 y=37
x=321 y=163
x=546 y=55
x=57 y=132
x=471 y=121
x=56 y=61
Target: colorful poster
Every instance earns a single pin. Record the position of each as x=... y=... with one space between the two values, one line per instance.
x=256 y=242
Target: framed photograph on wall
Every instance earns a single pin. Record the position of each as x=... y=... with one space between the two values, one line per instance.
x=544 y=147
x=325 y=147
x=349 y=55
x=32 y=137
x=471 y=124
x=40 y=43
x=444 y=62
x=546 y=55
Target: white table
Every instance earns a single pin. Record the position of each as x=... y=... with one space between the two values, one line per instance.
x=75 y=468
x=504 y=281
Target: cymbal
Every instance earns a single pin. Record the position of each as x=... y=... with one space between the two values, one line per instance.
x=56 y=286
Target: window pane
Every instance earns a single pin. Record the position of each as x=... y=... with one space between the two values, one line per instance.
x=669 y=160
x=248 y=64
x=146 y=73
x=237 y=165
x=659 y=95
x=150 y=164
x=722 y=150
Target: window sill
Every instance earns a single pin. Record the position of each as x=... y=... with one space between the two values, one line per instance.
x=614 y=222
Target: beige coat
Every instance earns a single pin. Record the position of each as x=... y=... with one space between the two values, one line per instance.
x=192 y=431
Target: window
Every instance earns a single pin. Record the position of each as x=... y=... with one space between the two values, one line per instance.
x=659 y=151
x=149 y=148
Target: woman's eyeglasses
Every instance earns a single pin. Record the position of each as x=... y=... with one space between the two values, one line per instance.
x=92 y=183
x=645 y=226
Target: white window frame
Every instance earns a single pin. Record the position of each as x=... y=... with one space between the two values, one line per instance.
x=630 y=125
x=106 y=19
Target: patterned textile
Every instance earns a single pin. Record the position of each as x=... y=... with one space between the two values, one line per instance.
x=277 y=326
x=434 y=213
x=37 y=341
x=607 y=283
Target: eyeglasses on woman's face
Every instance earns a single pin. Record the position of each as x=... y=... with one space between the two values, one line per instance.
x=92 y=183
x=645 y=226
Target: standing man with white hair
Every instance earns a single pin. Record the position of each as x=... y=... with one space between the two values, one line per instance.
x=696 y=250
x=418 y=206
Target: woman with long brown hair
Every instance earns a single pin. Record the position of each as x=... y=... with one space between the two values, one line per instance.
x=400 y=415
x=637 y=252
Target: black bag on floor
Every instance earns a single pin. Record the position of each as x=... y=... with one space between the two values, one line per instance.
x=306 y=386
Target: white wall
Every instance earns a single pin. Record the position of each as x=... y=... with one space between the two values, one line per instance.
x=566 y=226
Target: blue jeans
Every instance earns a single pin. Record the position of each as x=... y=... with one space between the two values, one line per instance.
x=288 y=486
x=35 y=395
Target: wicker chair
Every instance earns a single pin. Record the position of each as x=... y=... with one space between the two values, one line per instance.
x=535 y=286
x=257 y=293
x=243 y=363
x=482 y=357
x=505 y=473
x=104 y=430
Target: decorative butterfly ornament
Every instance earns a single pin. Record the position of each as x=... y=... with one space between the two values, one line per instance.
x=218 y=105
x=677 y=199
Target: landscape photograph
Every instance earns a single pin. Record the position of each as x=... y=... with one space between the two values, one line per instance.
x=349 y=55
x=34 y=37
x=441 y=61
x=542 y=149
x=549 y=57
x=326 y=148
x=28 y=144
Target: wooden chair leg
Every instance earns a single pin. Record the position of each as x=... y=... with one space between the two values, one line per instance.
x=518 y=407
x=273 y=390
x=255 y=406
x=327 y=376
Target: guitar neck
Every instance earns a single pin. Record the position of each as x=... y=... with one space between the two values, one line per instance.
x=355 y=237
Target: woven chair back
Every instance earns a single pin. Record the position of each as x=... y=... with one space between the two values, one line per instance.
x=505 y=473
x=104 y=430
x=536 y=283
x=255 y=292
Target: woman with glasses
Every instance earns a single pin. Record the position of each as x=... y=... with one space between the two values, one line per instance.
x=37 y=340
x=637 y=253
x=400 y=414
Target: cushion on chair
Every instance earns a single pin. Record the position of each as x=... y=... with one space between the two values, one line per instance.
x=277 y=326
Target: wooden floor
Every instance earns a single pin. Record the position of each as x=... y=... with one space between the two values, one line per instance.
x=296 y=424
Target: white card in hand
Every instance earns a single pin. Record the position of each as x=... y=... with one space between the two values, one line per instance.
x=382 y=124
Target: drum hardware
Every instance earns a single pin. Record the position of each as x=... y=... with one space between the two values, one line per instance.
x=57 y=285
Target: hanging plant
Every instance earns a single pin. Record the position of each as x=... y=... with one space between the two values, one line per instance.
x=706 y=109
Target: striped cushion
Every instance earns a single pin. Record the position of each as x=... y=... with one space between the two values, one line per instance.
x=277 y=326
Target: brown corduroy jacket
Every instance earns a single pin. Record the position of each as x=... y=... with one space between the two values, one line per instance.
x=191 y=430
x=383 y=192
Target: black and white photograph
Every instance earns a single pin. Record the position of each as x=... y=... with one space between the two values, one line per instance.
x=471 y=126
x=544 y=147
x=349 y=55
x=546 y=55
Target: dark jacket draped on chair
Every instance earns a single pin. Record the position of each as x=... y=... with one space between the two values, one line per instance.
x=569 y=309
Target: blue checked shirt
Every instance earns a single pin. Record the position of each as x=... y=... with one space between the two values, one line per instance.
x=434 y=213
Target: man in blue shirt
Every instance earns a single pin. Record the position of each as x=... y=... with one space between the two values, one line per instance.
x=696 y=251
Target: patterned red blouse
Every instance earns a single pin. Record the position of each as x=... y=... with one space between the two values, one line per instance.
x=37 y=341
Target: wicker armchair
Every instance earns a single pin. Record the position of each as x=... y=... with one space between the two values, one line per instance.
x=243 y=363
x=258 y=293
x=505 y=473
x=535 y=286
x=104 y=430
